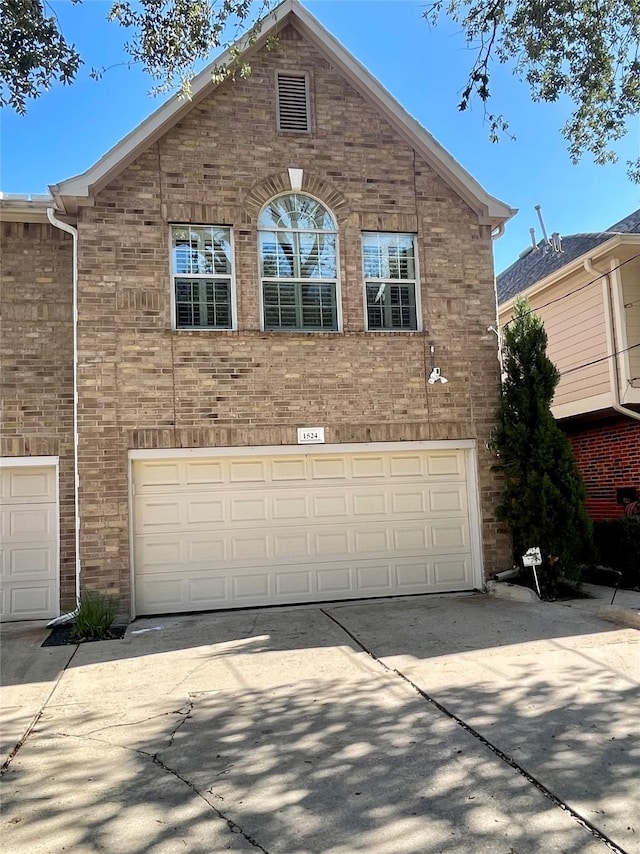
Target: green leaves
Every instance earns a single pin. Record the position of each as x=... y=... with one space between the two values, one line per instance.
x=543 y=495
x=168 y=38
x=33 y=53
x=584 y=50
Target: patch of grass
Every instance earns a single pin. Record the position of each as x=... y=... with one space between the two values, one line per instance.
x=96 y=613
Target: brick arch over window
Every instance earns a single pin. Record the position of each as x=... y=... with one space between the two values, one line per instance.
x=277 y=185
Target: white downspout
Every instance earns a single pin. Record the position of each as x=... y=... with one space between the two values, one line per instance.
x=614 y=376
x=58 y=223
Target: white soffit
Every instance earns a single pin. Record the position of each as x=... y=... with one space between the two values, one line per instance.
x=491 y=211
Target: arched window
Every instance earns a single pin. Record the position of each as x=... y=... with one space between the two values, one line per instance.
x=298 y=264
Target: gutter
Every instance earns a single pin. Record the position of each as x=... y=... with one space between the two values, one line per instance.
x=63 y=226
x=614 y=371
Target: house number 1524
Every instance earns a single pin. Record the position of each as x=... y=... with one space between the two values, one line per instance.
x=310 y=435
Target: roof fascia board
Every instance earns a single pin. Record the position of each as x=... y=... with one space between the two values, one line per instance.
x=490 y=210
x=23 y=210
x=573 y=266
x=168 y=114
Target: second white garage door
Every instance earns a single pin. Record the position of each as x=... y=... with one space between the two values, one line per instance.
x=227 y=532
x=29 y=544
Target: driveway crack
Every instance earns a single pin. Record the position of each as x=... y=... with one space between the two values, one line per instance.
x=233 y=826
x=37 y=716
x=557 y=801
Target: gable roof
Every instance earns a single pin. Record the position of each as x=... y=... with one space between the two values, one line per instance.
x=73 y=191
x=537 y=264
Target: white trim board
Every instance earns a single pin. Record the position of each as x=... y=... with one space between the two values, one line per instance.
x=287 y=450
x=78 y=189
x=10 y=462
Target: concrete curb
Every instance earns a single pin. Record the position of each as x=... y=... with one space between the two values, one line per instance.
x=621 y=616
x=514 y=592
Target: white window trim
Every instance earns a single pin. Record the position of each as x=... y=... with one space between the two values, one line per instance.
x=339 y=316
x=416 y=283
x=172 y=281
x=294 y=72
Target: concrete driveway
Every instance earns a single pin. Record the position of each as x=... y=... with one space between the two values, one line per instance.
x=435 y=724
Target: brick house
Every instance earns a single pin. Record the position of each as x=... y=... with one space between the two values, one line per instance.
x=271 y=282
x=586 y=288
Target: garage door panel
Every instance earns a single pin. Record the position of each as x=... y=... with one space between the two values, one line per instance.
x=159 y=514
x=371 y=503
x=297 y=583
x=289 y=469
x=332 y=543
x=375 y=578
x=453 y=570
x=368 y=467
x=446 y=465
x=28 y=600
x=204 y=510
x=371 y=540
x=29 y=485
x=247 y=471
x=160 y=474
x=207 y=591
x=249 y=509
x=334 y=581
x=290 y=506
x=406 y=465
x=31 y=561
x=331 y=506
x=328 y=468
x=198 y=472
x=409 y=501
x=413 y=576
x=447 y=499
x=25 y=523
x=411 y=538
x=253 y=586
x=293 y=545
x=450 y=535
x=301 y=528
x=29 y=550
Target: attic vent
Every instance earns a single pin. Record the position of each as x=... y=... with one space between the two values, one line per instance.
x=293 y=103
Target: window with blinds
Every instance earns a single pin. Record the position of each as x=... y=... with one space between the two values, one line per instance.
x=298 y=264
x=293 y=102
x=389 y=266
x=202 y=273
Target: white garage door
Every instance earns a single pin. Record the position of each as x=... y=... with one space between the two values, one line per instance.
x=29 y=542
x=228 y=532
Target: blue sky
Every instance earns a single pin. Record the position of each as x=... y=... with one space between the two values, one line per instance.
x=69 y=128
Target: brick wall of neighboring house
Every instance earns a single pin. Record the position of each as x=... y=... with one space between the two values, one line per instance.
x=142 y=385
x=36 y=362
x=608 y=455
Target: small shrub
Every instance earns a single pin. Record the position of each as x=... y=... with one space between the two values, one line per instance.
x=96 y=613
x=618 y=545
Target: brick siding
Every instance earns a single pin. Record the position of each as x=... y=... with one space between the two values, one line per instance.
x=608 y=455
x=36 y=363
x=143 y=385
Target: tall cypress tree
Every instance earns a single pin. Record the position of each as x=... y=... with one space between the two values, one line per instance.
x=544 y=496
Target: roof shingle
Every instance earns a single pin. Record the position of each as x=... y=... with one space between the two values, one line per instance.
x=540 y=262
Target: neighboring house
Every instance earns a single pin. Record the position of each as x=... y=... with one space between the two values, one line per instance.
x=586 y=288
x=266 y=277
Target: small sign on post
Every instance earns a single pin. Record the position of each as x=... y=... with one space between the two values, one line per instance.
x=533 y=558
